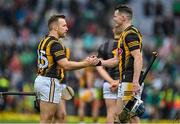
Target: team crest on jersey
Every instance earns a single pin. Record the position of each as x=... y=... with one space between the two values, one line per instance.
x=117 y=51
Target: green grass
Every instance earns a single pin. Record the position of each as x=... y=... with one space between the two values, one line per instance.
x=10 y=117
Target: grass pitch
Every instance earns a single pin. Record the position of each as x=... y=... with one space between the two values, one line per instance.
x=11 y=117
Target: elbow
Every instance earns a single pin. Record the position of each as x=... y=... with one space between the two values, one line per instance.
x=65 y=67
x=116 y=62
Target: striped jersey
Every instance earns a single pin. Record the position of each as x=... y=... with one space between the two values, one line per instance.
x=130 y=39
x=49 y=51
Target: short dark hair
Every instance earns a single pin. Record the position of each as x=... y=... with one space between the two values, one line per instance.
x=54 y=18
x=125 y=9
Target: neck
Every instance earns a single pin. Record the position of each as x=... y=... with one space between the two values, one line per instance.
x=54 y=34
x=126 y=25
x=116 y=37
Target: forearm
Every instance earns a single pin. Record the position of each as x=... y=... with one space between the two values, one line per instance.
x=72 y=65
x=110 y=63
x=104 y=74
x=137 y=68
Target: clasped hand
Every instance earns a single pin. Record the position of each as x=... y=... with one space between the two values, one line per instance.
x=92 y=60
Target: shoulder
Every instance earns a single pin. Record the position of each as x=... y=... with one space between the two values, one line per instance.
x=132 y=34
x=57 y=46
x=103 y=44
x=57 y=43
x=132 y=30
x=101 y=47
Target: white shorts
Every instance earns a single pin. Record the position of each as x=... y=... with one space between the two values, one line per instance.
x=48 y=89
x=107 y=93
x=125 y=90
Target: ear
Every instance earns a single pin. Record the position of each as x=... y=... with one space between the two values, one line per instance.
x=56 y=27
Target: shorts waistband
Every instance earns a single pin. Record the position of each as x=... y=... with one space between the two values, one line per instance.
x=48 y=78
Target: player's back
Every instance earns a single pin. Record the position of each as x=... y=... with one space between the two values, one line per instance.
x=108 y=51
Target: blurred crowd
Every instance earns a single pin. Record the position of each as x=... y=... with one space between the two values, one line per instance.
x=24 y=22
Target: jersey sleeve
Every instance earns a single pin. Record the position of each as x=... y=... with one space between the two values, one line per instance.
x=133 y=42
x=58 y=51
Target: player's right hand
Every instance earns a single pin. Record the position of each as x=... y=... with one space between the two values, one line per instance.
x=92 y=61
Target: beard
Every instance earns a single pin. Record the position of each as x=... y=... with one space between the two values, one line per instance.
x=62 y=35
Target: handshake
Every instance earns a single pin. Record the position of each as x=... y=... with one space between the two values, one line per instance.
x=109 y=63
x=93 y=60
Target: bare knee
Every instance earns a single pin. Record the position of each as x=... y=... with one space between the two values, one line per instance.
x=60 y=118
x=63 y=115
x=46 y=117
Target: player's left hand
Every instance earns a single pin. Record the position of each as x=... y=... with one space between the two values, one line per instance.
x=93 y=61
x=114 y=85
x=99 y=60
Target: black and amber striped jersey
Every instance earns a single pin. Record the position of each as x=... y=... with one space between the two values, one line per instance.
x=107 y=51
x=130 y=39
x=49 y=51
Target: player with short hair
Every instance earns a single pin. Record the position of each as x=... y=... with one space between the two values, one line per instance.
x=130 y=58
x=52 y=62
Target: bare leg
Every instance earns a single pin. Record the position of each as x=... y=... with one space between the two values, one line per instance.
x=81 y=110
x=135 y=120
x=111 y=109
x=119 y=107
x=47 y=111
x=60 y=115
x=95 y=110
